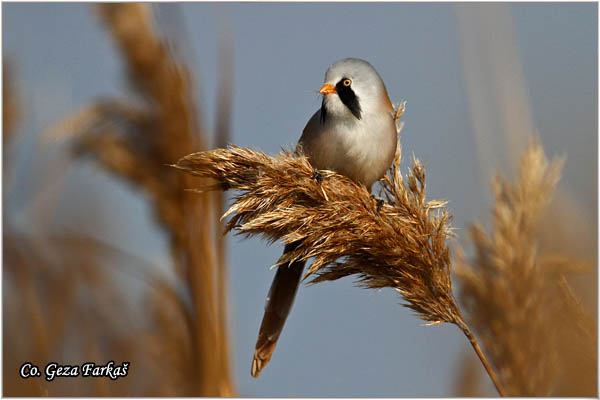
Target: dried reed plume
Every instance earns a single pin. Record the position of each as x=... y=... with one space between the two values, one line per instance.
x=517 y=297
x=10 y=109
x=402 y=245
x=468 y=380
x=134 y=141
x=57 y=297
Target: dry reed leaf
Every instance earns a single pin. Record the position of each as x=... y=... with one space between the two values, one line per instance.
x=516 y=297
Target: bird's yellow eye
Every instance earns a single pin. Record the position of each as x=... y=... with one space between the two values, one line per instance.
x=347 y=82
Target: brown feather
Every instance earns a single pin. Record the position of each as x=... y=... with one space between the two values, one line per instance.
x=279 y=302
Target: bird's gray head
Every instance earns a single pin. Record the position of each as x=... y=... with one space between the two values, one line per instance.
x=353 y=89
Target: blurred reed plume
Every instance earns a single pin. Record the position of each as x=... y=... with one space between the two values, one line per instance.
x=135 y=142
x=518 y=298
x=57 y=296
x=468 y=382
x=401 y=244
x=178 y=343
x=69 y=296
x=529 y=316
x=10 y=112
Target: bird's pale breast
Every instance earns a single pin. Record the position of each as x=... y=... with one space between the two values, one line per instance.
x=362 y=150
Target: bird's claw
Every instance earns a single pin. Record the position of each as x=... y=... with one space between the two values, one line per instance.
x=379 y=202
x=317 y=176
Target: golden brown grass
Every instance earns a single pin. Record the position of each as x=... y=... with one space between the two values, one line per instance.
x=563 y=235
x=517 y=297
x=135 y=143
x=467 y=378
x=10 y=110
x=177 y=343
x=58 y=290
x=402 y=245
x=56 y=295
x=61 y=305
x=514 y=294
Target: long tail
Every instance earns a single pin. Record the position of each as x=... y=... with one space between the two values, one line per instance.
x=279 y=302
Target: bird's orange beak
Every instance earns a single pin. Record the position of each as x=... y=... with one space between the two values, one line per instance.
x=327 y=89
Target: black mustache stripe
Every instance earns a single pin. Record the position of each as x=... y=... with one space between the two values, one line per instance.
x=349 y=98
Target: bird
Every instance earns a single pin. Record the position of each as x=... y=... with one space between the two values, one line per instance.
x=354 y=134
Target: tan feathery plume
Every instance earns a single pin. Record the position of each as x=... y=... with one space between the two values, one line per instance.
x=517 y=297
x=401 y=244
x=10 y=109
x=134 y=140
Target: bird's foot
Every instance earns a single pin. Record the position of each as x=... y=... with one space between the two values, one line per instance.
x=379 y=202
x=317 y=176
